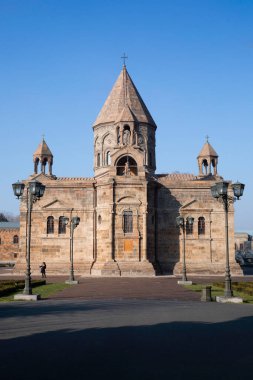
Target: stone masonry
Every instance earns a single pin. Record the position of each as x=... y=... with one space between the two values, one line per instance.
x=127 y=211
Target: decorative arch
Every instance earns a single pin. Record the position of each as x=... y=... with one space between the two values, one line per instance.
x=129 y=200
x=127 y=166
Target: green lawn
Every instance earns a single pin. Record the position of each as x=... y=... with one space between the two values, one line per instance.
x=44 y=290
x=240 y=289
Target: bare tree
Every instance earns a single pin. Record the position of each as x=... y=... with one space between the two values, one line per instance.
x=8 y=217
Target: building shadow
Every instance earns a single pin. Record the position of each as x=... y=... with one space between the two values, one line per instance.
x=176 y=350
x=163 y=234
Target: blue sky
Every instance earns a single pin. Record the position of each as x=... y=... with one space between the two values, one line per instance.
x=190 y=60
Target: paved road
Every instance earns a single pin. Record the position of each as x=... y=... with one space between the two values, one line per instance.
x=127 y=328
x=125 y=339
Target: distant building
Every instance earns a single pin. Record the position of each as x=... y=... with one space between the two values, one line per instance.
x=9 y=241
x=127 y=211
x=243 y=241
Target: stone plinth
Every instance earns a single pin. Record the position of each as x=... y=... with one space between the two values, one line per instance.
x=71 y=282
x=182 y=282
x=26 y=297
x=223 y=299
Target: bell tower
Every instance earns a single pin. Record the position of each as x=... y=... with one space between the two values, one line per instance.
x=207 y=160
x=124 y=156
x=124 y=132
x=44 y=156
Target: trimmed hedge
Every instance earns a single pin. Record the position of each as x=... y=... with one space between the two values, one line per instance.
x=11 y=286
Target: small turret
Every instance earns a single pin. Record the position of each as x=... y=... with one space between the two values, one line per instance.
x=43 y=155
x=207 y=160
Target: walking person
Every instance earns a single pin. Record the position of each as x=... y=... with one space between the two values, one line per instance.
x=43 y=269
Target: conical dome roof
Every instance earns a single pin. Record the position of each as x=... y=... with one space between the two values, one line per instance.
x=43 y=149
x=207 y=150
x=124 y=101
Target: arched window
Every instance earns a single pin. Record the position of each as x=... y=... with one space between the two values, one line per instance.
x=108 y=158
x=36 y=163
x=127 y=166
x=50 y=225
x=98 y=160
x=127 y=221
x=188 y=228
x=126 y=135
x=204 y=166
x=201 y=226
x=62 y=225
x=15 y=239
x=43 y=165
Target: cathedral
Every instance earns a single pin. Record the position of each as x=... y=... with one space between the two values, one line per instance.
x=127 y=211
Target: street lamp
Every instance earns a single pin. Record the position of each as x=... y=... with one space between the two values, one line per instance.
x=181 y=223
x=73 y=224
x=219 y=191
x=35 y=191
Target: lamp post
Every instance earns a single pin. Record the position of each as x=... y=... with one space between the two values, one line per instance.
x=35 y=191
x=181 y=223
x=219 y=191
x=73 y=224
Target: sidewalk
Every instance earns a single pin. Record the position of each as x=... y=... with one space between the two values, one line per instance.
x=120 y=288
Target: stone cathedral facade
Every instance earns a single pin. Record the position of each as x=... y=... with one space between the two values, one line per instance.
x=127 y=211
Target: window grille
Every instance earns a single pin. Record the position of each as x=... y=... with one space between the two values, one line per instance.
x=128 y=221
x=15 y=239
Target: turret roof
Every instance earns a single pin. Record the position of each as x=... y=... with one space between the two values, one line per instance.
x=124 y=101
x=207 y=150
x=43 y=149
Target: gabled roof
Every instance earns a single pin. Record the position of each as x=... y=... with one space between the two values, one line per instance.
x=124 y=97
x=43 y=149
x=207 y=150
x=5 y=225
x=126 y=115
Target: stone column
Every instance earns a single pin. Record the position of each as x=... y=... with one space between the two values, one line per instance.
x=132 y=136
x=112 y=220
x=121 y=135
x=144 y=256
x=145 y=215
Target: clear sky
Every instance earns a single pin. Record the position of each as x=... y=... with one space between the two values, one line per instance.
x=192 y=62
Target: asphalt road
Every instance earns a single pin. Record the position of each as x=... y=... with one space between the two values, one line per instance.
x=125 y=339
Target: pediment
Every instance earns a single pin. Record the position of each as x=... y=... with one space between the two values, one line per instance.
x=54 y=204
x=195 y=204
x=41 y=177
